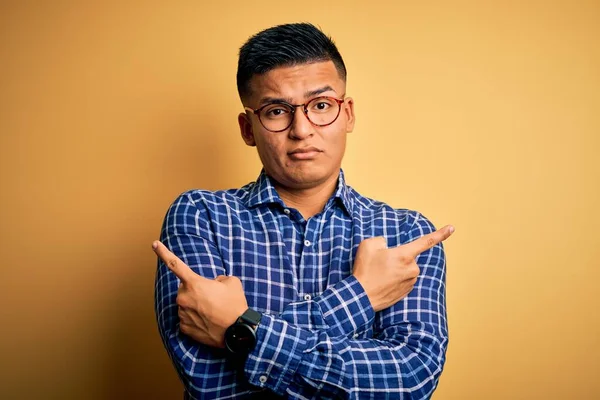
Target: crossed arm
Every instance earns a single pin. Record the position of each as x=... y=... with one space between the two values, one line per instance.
x=333 y=346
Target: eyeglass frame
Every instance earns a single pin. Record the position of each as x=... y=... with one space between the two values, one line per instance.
x=293 y=107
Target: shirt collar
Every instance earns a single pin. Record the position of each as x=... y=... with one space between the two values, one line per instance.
x=263 y=192
x=343 y=194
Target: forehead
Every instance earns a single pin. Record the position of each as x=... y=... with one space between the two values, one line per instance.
x=295 y=82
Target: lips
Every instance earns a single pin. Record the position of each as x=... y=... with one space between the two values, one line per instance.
x=304 y=153
x=305 y=150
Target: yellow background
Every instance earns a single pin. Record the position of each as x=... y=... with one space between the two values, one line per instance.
x=485 y=115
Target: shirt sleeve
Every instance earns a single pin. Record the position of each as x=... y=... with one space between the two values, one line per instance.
x=403 y=359
x=341 y=310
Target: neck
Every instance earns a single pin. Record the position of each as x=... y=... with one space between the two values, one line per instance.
x=308 y=201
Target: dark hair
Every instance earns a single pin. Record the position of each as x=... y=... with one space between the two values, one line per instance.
x=285 y=45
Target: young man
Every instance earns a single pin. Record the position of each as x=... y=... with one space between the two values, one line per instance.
x=296 y=285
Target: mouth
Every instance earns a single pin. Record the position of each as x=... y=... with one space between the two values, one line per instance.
x=304 y=153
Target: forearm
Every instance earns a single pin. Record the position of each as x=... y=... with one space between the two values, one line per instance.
x=308 y=364
x=342 y=309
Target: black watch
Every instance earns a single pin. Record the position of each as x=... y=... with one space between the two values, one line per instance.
x=240 y=338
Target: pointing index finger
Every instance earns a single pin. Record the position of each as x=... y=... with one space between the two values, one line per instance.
x=426 y=242
x=178 y=267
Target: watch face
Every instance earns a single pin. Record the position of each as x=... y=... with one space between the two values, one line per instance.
x=240 y=339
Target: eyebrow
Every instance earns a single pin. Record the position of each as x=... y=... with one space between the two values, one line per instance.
x=317 y=92
x=310 y=93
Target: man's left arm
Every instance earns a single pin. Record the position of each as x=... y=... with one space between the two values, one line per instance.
x=403 y=360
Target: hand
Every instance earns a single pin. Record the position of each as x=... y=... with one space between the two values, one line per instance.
x=388 y=275
x=207 y=307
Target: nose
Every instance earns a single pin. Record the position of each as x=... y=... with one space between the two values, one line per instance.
x=301 y=127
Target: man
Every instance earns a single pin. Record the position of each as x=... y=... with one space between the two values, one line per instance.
x=295 y=285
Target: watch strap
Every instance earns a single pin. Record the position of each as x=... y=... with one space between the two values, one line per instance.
x=251 y=317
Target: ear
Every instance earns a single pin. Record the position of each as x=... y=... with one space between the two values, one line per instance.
x=349 y=110
x=246 y=129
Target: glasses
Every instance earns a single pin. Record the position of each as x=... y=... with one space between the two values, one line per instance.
x=279 y=115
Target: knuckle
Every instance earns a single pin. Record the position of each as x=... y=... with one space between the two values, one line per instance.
x=415 y=270
x=238 y=282
x=172 y=263
x=232 y=280
x=430 y=242
x=405 y=258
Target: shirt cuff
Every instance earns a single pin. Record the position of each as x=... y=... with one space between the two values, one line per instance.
x=277 y=354
x=346 y=308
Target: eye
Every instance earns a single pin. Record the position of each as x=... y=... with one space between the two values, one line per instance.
x=321 y=105
x=275 y=111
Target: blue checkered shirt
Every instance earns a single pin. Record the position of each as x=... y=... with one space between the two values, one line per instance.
x=319 y=337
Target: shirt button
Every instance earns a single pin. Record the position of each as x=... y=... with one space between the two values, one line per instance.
x=262 y=379
x=307 y=297
x=355 y=335
x=286 y=211
x=307 y=242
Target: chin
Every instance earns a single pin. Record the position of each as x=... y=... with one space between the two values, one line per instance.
x=306 y=177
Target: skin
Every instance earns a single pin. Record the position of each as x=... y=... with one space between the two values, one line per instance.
x=303 y=183
x=208 y=307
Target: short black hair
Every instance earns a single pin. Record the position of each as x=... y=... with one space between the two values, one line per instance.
x=284 y=45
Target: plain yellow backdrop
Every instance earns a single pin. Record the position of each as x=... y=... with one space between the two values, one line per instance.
x=481 y=114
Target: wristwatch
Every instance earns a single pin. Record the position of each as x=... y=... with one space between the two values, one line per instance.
x=240 y=338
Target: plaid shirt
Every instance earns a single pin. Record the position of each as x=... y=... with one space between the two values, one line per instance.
x=319 y=337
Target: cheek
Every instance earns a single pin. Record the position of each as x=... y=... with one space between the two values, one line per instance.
x=336 y=140
x=340 y=146
x=270 y=148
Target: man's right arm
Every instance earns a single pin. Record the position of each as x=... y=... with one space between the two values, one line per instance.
x=342 y=309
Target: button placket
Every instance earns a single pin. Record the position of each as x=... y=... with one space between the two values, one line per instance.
x=311 y=279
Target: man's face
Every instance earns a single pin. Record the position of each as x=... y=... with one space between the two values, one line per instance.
x=304 y=155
